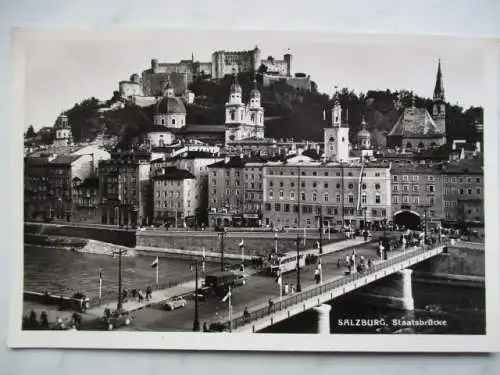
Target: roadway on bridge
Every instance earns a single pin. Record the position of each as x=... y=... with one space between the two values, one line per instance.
x=257 y=292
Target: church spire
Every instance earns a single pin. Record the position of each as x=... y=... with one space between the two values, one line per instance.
x=439 y=87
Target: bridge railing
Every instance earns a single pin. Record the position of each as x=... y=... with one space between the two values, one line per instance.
x=325 y=287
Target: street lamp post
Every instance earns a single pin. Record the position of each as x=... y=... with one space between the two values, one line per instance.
x=196 y=322
x=365 y=226
x=299 y=287
x=120 y=301
x=221 y=234
x=320 y=247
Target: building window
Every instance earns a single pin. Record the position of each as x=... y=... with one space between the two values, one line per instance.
x=270 y=194
x=326 y=173
x=292 y=184
x=277 y=207
x=268 y=206
x=303 y=184
x=303 y=196
x=326 y=185
x=282 y=194
x=286 y=208
x=415 y=187
x=325 y=197
x=308 y=221
x=416 y=199
x=469 y=191
x=271 y=184
x=350 y=186
x=394 y=187
x=431 y=189
x=315 y=174
x=430 y=178
x=292 y=195
x=337 y=186
x=405 y=178
x=377 y=198
x=406 y=199
x=350 y=198
x=461 y=191
x=377 y=186
x=337 y=198
x=349 y=174
x=478 y=180
x=415 y=178
x=363 y=186
x=431 y=200
x=405 y=187
x=314 y=184
x=395 y=199
x=363 y=198
x=281 y=183
x=314 y=197
x=395 y=178
x=478 y=191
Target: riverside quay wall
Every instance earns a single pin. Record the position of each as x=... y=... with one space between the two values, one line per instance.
x=255 y=245
x=463 y=263
x=115 y=236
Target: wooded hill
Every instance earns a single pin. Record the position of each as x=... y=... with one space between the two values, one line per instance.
x=291 y=113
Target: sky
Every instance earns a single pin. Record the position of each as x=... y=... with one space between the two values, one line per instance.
x=62 y=68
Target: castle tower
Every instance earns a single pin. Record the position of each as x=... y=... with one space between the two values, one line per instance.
x=364 y=137
x=439 y=105
x=63 y=132
x=235 y=113
x=336 y=137
x=288 y=60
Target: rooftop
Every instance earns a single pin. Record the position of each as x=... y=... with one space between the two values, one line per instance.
x=416 y=123
x=172 y=173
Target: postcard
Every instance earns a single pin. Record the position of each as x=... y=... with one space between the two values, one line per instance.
x=254 y=190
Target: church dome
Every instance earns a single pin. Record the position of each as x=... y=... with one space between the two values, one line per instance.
x=235 y=88
x=363 y=134
x=170 y=105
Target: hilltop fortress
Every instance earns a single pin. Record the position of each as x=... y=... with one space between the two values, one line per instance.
x=144 y=89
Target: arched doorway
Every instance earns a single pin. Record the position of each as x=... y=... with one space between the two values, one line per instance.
x=410 y=219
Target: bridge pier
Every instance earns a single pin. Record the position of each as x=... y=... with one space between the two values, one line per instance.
x=393 y=291
x=323 y=312
x=407 y=302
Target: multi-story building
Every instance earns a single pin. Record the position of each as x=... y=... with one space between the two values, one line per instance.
x=463 y=191
x=195 y=162
x=49 y=184
x=62 y=128
x=175 y=198
x=86 y=199
x=300 y=191
x=253 y=198
x=227 y=62
x=125 y=189
x=417 y=194
x=226 y=181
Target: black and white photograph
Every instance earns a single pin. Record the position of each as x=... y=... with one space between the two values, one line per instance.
x=307 y=192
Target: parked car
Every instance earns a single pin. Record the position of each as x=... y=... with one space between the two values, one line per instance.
x=175 y=303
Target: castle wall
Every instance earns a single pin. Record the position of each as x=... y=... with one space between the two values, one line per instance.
x=128 y=89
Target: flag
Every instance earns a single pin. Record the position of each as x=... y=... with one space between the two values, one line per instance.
x=242 y=243
x=155 y=263
x=227 y=296
x=324 y=115
x=184 y=224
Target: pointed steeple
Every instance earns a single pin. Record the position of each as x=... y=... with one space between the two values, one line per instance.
x=439 y=87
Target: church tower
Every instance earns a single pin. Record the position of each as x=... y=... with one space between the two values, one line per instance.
x=235 y=113
x=439 y=105
x=256 y=113
x=63 y=132
x=336 y=137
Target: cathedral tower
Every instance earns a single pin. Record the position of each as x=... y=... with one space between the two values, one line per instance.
x=439 y=105
x=336 y=137
x=63 y=132
x=235 y=112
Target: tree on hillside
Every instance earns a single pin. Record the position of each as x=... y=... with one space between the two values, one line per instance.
x=30 y=132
